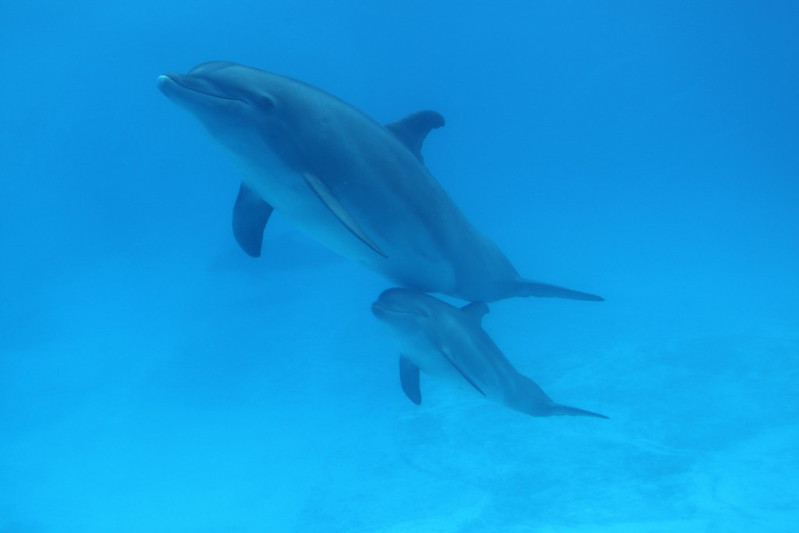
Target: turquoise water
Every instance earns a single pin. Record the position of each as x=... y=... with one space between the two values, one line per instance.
x=155 y=378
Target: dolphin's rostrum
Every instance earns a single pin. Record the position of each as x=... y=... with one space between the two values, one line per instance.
x=357 y=186
x=450 y=344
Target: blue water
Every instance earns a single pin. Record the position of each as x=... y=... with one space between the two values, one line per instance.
x=154 y=378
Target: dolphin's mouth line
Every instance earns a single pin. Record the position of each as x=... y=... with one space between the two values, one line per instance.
x=195 y=90
x=378 y=305
x=383 y=307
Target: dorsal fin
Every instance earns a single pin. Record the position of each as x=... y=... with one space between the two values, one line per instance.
x=413 y=129
x=476 y=310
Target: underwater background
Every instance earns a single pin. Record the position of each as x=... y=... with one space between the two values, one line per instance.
x=155 y=378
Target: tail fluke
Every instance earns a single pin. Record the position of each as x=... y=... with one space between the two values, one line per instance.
x=558 y=409
x=527 y=287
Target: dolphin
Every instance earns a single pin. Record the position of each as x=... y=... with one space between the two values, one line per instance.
x=450 y=344
x=359 y=187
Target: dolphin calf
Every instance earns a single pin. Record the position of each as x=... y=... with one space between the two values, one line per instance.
x=357 y=186
x=450 y=344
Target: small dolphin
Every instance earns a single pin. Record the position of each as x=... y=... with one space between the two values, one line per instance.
x=357 y=186
x=450 y=344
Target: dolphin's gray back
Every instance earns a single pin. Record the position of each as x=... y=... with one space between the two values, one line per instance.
x=428 y=242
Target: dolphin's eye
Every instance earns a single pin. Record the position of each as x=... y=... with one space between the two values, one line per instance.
x=264 y=101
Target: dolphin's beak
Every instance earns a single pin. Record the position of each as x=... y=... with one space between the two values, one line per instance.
x=381 y=309
x=185 y=89
x=167 y=84
x=164 y=81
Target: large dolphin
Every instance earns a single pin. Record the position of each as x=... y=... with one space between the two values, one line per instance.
x=450 y=344
x=357 y=186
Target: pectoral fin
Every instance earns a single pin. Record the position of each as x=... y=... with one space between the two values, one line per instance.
x=250 y=215
x=461 y=371
x=340 y=211
x=409 y=379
